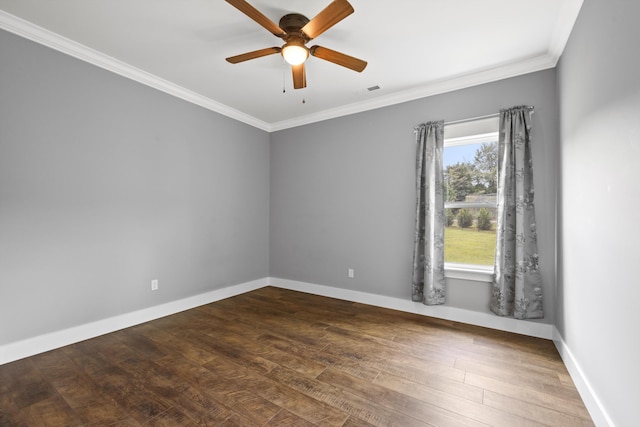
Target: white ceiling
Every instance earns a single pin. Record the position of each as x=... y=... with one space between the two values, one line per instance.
x=414 y=48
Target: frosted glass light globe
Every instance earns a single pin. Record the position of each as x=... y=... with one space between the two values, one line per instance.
x=295 y=54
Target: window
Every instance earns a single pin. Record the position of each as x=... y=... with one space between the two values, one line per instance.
x=470 y=178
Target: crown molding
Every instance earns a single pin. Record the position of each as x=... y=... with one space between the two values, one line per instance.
x=562 y=31
x=564 y=25
x=505 y=71
x=35 y=33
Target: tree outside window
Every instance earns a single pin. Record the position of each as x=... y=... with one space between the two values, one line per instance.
x=470 y=180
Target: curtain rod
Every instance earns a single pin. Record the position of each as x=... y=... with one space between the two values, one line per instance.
x=455 y=122
x=472 y=119
x=488 y=116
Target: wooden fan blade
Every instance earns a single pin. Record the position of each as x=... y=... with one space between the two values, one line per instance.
x=327 y=18
x=347 y=61
x=299 y=76
x=257 y=16
x=252 y=55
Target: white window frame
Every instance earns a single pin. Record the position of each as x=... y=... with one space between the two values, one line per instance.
x=477 y=273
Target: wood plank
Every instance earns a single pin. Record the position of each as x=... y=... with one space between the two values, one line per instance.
x=50 y=412
x=55 y=364
x=470 y=409
x=278 y=357
x=87 y=357
x=352 y=367
x=531 y=395
x=232 y=394
x=532 y=411
x=395 y=400
x=283 y=358
x=507 y=374
x=344 y=336
x=394 y=361
x=79 y=390
x=347 y=402
x=133 y=397
x=171 y=417
x=194 y=395
x=356 y=422
x=26 y=386
x=309 y=409
x=104 y=412
x=285 y=418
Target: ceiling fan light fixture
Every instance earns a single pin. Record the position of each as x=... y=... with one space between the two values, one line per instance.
x=295 y=53
x=296 y=31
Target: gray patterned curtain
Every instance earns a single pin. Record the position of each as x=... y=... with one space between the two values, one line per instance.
x=428 y=250
x=517 y=288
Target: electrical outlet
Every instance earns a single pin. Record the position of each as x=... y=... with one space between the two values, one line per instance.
x=350 y=273
x=154 y=285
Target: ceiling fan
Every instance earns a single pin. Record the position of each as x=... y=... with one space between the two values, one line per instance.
x=297 y=30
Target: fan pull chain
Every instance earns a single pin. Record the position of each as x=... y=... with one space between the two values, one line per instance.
x=284 y=72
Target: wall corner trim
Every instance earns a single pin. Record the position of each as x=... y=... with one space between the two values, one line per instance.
x=42 y=343
x=587 y=392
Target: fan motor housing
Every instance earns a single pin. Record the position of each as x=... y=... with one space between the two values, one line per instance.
x=293 y=23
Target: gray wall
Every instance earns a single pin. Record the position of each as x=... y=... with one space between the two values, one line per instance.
x=106 y=184
x=598 y=292
x=342 y=191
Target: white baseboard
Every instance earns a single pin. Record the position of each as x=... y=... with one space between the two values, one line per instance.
x=487 y=320
x=32 y=346
x=40 y=344
x=590 y=398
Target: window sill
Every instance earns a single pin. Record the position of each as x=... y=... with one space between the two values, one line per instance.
x=477 y=273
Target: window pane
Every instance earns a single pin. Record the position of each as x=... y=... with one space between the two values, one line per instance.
x=470 y=236
x=470 y=175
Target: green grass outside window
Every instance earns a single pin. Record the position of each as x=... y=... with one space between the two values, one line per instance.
x=469 y=246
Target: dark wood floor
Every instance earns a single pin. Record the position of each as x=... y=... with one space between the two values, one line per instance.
x=276 y=357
